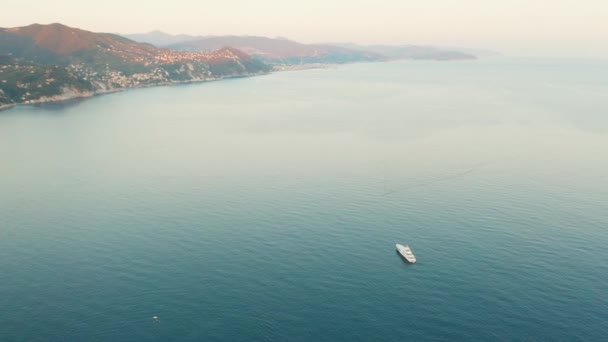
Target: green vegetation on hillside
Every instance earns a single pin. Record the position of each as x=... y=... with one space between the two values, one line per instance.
x=232 y=68
x=22 y=81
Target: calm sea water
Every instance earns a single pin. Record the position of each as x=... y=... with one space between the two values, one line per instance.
x=268 y=208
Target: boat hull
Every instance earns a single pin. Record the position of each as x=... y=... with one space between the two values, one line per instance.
x=406 y=253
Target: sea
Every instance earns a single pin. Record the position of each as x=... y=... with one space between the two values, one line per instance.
x=268 y=208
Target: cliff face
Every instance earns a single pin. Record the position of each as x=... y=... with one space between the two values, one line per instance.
x=5 y=101
x=41 y=63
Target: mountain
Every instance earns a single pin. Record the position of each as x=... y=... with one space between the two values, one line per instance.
x=284 y=51
x=413 y=52
x=279 y=50
x=63 y=45
x=159 y=38
x=81 y=63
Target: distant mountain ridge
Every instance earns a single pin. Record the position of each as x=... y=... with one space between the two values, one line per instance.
x=280 y=51
x=161 y=39
x=268 y=50
x=285 y=51
x=413 y=52
x=101 y=62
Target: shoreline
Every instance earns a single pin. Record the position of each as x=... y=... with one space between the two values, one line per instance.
x=276 y=68
x=296 y=67
x=84 y=95
x=7 y=106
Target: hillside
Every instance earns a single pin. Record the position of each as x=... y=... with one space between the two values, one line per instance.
x=25 y=82
x=106 y=62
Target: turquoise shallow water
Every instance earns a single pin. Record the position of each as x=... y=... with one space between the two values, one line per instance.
x=267 y=208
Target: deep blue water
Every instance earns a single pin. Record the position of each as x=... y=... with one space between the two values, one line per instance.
x=268 y=208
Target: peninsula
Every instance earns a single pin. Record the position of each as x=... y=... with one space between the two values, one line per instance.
x=44 y=63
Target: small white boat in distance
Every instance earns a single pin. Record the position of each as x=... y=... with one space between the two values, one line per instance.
x=407 y=253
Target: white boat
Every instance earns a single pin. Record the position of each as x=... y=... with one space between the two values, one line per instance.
x=406 y=252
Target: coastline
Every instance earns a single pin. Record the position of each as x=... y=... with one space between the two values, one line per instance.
x=296 y=67
x=7 y=106
x=73 y=94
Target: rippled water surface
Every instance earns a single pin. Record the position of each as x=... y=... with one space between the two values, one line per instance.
x=268 y=208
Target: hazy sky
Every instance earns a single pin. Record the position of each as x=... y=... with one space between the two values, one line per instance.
x=565 y=28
